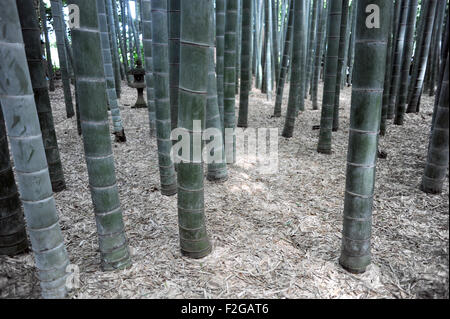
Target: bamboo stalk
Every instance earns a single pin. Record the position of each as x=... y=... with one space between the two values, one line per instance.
x=194 y=54
x=367 y=91
x=91 y=85
x=160 y=54
x=27 y=149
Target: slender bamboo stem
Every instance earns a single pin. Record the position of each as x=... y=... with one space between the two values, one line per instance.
x=113 y=103
x=160 y=54
x=275 y=49
x=400 y=103
x=217 y=171
x=387 y=78
x=398 y=54
x=149 y=80
x=365 y=114
x=13 y=237
x=58 y=25
x=297 y=67
x=113 y=46
x=422 y=57
x=311 y=41
x=437 y=160
x=285 y=62
x=329 y=88
x=318 y=57
x=246 y=80
x=194 y=54
x=32 y=40
x=418 y=39
x=48 y=54
x=220 y=47
x=230 y=78
x=174 y=57
x=341 y=52
x=351 y=50
x=91 y=85
x=27 y=148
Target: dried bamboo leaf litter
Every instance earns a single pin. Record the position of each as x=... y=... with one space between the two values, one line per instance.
x=282 y=234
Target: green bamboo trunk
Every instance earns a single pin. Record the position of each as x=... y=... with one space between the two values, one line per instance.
x=230 y=79
x=276 y=50
x=58 y=26
x=297 y=67
x=48 y=54
x=318 y=57
x=324 y=42
x=398 y=54
x=77 y=108
x=13 y=237
x=422 y=58
x=351 y=50
x=387 y=79
x=282 y=24
x=126 y=61
x=365 y=114
x=27 y=148
x=346 y=41
x=445 y=34
x=129 y=33
x=400 y=103
x=217 y=171
x=325 y=39
x=246 y=59
x=285 y=62
x=194 y=54
x=69 y=56
x=91 y=85
x=441 y=74
x=311 y=41
x=268 y=51
x=113 y=46
x=32 y=40
x=437 y=160
x=147 y=40
x=220 y=47
x=302 y=84
x=254 y=36
x=395 y=28
x=131 y=39
x=252 y=47
x=259 y=43
x=112 y=7
x=434 y=74
x=307 y=27
x=340 y=65
x=113 y=103
x=174 y=57
x=137 y=23
x=160 y=54
x=238 y=45
x=124 y=68
x=430 y=69
x=428 y=74
x=418 y=40
x=264 y=41
x=330 y=73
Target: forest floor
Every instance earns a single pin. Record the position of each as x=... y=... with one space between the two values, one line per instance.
x=274 y=236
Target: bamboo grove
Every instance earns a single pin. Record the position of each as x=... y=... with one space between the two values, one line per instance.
x=202 y=59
